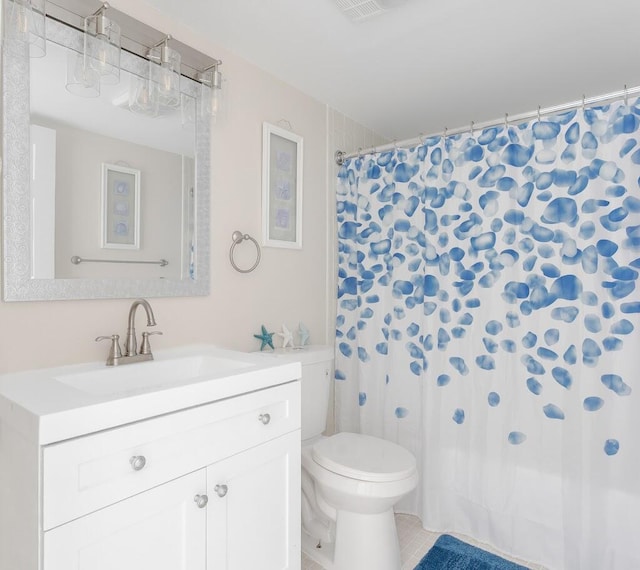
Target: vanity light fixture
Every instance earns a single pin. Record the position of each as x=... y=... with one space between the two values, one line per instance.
x=82 y=78
x=188 y=109
x=99 y=61
x=155 y=87
x=142 y=99
x=211 y=90
x=158 y=93
x=25 y=23
x=164 y=74
x=102 y=45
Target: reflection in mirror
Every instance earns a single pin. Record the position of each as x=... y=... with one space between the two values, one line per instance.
x=102 y=198
x=110 y=183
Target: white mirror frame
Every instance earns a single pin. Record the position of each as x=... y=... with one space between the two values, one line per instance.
x=17 y=247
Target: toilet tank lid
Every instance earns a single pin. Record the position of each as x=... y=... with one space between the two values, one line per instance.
x=308 y=354
x=364 y=457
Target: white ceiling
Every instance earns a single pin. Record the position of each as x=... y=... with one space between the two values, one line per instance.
x=429 y=64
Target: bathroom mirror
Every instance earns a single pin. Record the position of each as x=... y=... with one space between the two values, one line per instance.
x=99 y=201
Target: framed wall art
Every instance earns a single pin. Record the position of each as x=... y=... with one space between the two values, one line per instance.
x=120 y=207
x=281 y=188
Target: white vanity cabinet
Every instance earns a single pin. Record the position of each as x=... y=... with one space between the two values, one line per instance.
x=212 y=486
x=235 y=514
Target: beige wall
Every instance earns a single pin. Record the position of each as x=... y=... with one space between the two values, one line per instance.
x=289 y=286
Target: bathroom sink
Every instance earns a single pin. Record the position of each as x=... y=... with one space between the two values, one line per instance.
x=77 y=399
x=151 y=376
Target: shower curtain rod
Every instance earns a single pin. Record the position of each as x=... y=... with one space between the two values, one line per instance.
x=340 y=156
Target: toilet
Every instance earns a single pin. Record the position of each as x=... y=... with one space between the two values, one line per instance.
x=350 y=481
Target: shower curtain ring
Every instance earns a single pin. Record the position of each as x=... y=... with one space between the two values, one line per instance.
x=506 y=121
x=471 y=130
x=538 y=113
x=421 y=138
x=444 y=135
x=583 y=103
x=626 y=96
x=359 y=152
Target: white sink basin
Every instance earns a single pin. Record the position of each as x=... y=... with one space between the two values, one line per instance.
x=54 y=404
x=150 y=376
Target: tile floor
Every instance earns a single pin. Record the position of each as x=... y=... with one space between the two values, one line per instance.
x=415 y=542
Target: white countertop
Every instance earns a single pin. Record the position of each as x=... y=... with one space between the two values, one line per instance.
x=45 y=407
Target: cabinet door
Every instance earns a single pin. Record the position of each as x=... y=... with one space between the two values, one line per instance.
x=160 y=529
x=253 y=517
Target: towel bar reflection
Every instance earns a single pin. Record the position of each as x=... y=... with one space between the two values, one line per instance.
x=77 y=260
x=239 y=237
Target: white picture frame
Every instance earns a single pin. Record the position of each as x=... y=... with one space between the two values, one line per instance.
x=120 y=207
x=281 y=188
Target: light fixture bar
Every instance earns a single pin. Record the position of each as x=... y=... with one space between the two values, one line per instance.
x=136 y=37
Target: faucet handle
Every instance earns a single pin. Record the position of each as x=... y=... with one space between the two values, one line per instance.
x=114 y=351
x=145 y=347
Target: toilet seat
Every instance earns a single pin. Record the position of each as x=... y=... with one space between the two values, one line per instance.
x=364 y=458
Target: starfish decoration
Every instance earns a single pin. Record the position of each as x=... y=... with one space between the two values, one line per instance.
x=303 y=333
x=266 y=338
x=287 y=337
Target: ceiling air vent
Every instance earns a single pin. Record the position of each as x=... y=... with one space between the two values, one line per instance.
x=358 y=10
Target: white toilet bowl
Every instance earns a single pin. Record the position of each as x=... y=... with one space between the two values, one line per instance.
x=350 y=482
x=357 y=480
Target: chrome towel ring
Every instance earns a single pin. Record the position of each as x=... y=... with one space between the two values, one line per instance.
x=239 y=237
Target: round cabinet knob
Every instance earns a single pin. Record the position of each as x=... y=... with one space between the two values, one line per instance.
x=221 y=490
x=138 y=462
x=201 y=501
x=264 y=418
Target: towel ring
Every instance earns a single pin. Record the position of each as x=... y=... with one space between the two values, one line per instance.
x=239 y=237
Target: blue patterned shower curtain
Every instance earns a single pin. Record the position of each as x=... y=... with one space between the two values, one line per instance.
x=488 y=321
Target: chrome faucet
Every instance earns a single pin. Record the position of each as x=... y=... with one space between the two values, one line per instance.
x=131 y=346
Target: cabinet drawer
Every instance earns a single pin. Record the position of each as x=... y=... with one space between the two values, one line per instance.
x=87 y=473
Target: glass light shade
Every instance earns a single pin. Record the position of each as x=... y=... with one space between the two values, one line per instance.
x=211 y=92
x=188 y=110
x=82 y=79
x=164 y=72
x=25 y=22
x=102 y=46
x=142 y=99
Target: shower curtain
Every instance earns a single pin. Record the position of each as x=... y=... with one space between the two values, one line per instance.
x=488 y=321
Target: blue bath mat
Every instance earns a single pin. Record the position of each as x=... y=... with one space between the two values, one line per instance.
x=449 y=553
